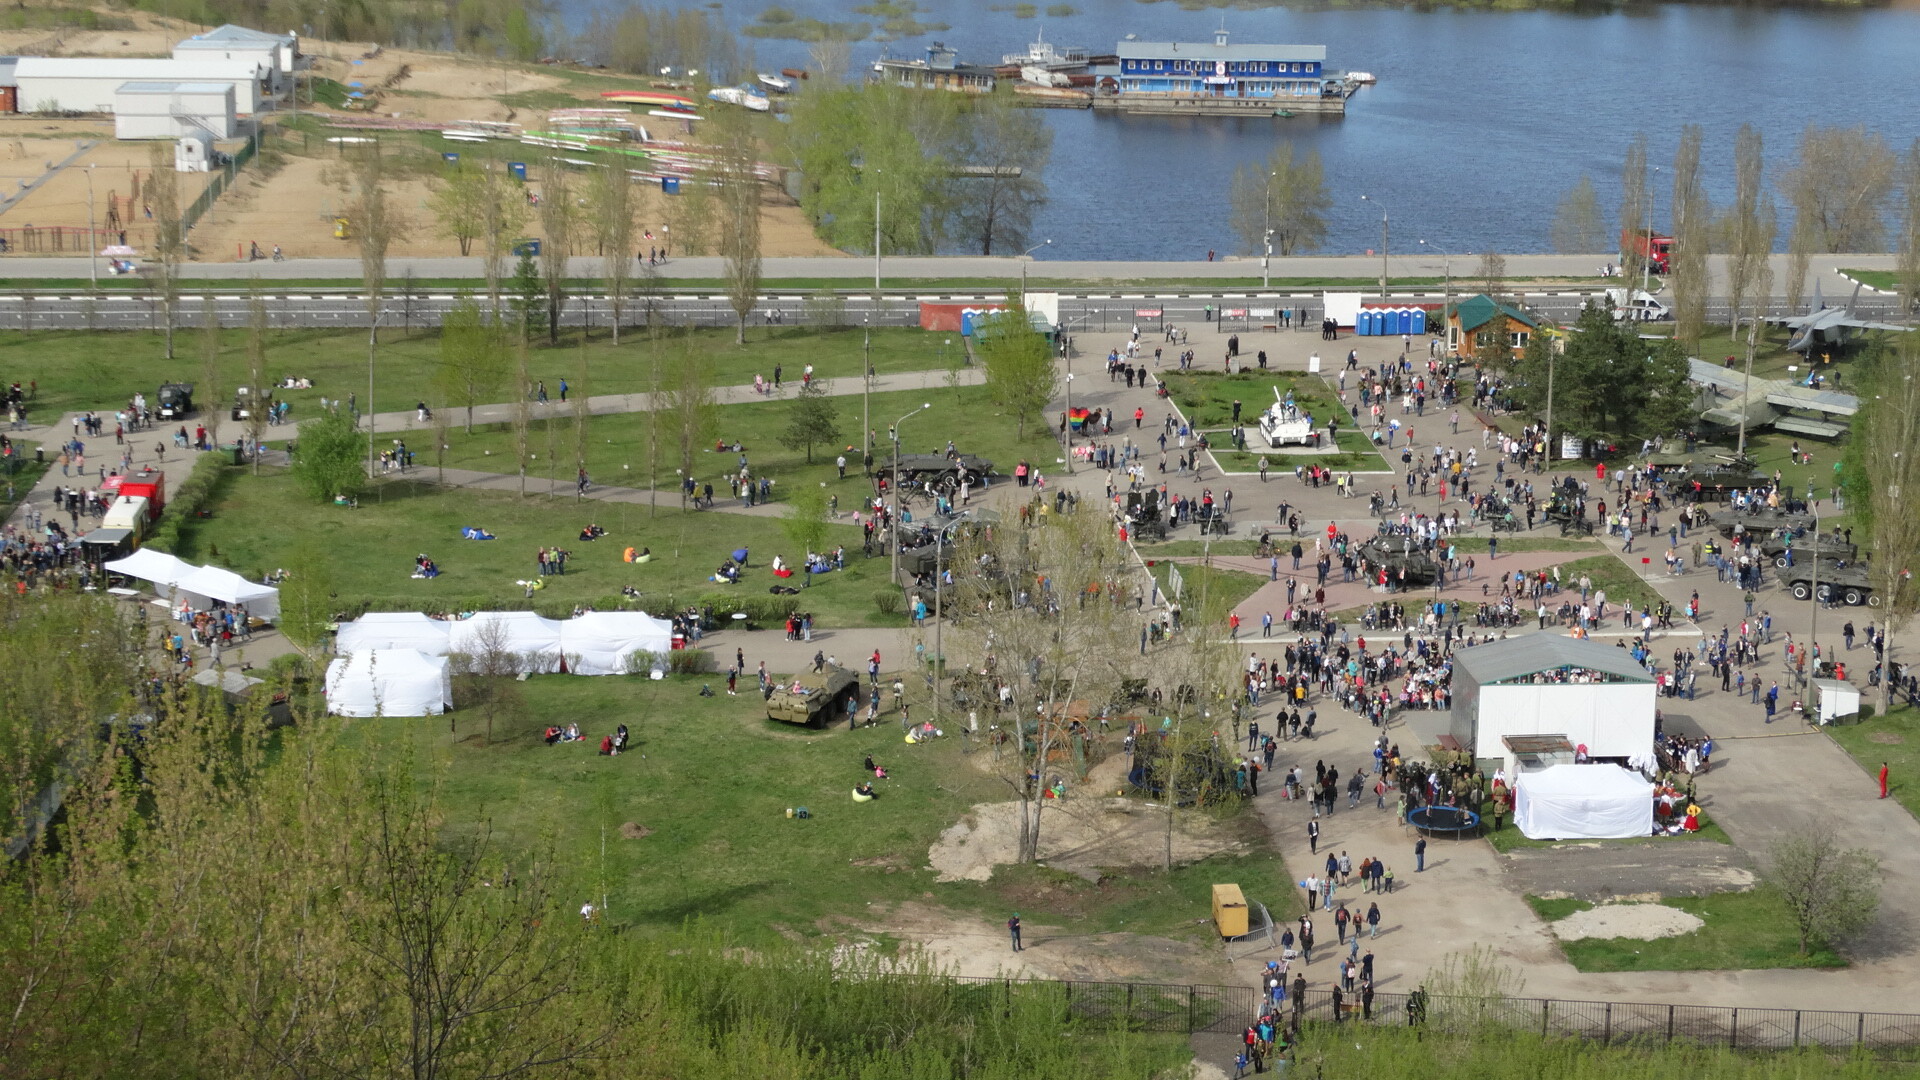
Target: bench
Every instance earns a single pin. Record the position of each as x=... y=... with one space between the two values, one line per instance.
x=1817 y=428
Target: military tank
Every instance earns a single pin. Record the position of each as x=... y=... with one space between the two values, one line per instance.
x=1394 y=556
x=1717 y=480
x=814 y=700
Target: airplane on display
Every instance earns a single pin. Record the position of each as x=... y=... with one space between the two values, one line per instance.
x=1824 y=326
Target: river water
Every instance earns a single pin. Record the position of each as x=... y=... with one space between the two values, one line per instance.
x=1481 y=120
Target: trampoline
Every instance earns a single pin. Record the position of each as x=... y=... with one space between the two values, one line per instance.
x=1444 y=821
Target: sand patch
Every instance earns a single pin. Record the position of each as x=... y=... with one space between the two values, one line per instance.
x=1642 y=922
x=1886 y=737
x=964 y=944
x=1080 y=836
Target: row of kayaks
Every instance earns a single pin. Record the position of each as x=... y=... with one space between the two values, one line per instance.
x=746 y=95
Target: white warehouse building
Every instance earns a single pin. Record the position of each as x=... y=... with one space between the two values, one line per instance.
x=1530 y=702
x=88 y=84
x=278 y=53
x=168 y=110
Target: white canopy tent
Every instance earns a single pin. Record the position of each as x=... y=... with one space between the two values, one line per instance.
x=209 y=583
x=536 y=640
x=599 y=642
x=394 y=630
x=1583 y=802
x=156 y=566
x=389 y=682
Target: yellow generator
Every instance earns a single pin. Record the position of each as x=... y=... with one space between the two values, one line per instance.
x=341 y=229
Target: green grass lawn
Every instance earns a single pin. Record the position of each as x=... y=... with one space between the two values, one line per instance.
x=1611 y=576
x=1744 y=930
x=1894 y=739
x=99 y=370
x=712 y=779
x=618 y=445
x=369 y=552
x=1207 y=397
x=1875 y=279
x=1510 y=838
x=1222 y=589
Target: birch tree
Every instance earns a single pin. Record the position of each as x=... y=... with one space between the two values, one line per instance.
x=1636 y=207
x=612 y=201
x=1692 y=239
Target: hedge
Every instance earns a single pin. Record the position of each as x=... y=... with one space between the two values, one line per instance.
x=189 y=499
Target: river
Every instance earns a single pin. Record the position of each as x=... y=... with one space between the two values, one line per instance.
x=1481 y=120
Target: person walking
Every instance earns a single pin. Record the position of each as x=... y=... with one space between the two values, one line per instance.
x=1420 y=855
x=1313 y=835
x=1883 y=779
x=1013 y=928
x=1373 y=920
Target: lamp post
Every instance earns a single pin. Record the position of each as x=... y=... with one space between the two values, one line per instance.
x=1266 y=258
x=1383 y=245
x=93 y=238
x=876 y=246
x=866 y=394
x=893 y=542
x=1023 y=269
x=1069 y=423
x=939 y=648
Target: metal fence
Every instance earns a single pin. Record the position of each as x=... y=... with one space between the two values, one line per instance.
x=1227 y=1009
x=228 y=173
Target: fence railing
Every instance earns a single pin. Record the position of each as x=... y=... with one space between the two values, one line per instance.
x=1227 y=1009
x=228 y=174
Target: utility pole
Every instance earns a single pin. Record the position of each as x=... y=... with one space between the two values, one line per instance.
x=1746 y=392
x=866 y=395
x=93 y=238
x=893 y=488
x=1383 y=246
x=1266 y=259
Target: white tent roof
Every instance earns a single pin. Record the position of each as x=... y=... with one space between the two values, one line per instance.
x=1583 y=802
x=599 y=642
x=389 y=682
x=522 y=633
x=228 y=679
x=156 y=566
x=212 y=583
x=394 y=630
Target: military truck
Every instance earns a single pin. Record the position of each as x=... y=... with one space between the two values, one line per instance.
x=939 y=473
x=1716 y=481
x=174 y=401
x=1845 y=583
x=814 y=700
x=1761 y=521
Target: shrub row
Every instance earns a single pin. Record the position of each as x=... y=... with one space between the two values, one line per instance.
x=189 y=499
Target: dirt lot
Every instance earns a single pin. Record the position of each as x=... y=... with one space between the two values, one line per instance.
x=965 y=944
x=295 y=206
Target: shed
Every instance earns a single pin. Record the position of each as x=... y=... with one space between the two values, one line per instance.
x=1838 y=700
x=1589 y=694
x=1470 y=319
x=168 y=110
x=9 y=81
x=279 y=52
x=86 y=84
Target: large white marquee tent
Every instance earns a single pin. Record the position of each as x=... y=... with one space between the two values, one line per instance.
x=593 y=643
x=200 y=586
x=1583 y=802
x=394 y=630
x=389 y=682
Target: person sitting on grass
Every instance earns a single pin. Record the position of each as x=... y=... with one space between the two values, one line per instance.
x=864 y=792
x=553 y=734
x=606 y=745
x=424 y=567
x=572 y=733
x=592 y=532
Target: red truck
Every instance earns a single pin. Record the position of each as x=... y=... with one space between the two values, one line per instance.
x=1656 y=249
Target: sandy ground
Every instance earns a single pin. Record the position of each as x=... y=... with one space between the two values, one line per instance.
x=62 y=199
x=1642 y=922
x=969 y=945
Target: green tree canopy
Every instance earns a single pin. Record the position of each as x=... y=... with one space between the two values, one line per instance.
x=1286 y=193
x=329 y=461
x=812 y=421
x=1019 y=364
x=1609 y=383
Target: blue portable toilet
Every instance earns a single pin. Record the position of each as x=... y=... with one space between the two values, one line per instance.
x=670 y=185
x=1403 y=321
x=1363 y=323
x=518 y=170
x=450 y=157
x=1374 y=321
x=1419 y=321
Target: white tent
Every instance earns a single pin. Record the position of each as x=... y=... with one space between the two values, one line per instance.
x=599 y=642
x=527 y=635
x=1583 y=802
x=394 y=630
x=156 y=566
x=389 y=682
x=210 y=583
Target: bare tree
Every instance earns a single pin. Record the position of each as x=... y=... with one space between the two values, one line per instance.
x=1886 y=433
x=688 y=404
x=212 y=391
x=375 y=227
x=1800 y=244
x=1578 y=228
x=1750 y=229
x=259 y=395
x=1287 y=194
x=1493 y=276
x=736 y=172
x=1692 y=239
x=522 y=404
x=1831 y=892
x=1910 y=227
x=1007 y=148
x=1636 y=207
x=503 y=213
x=613 y=230
x=1839 y=188
x=559 y=218
x=169 y=233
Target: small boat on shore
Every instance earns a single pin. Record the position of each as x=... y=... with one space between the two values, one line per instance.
x=794 y=73
x=775 y=83
x=1364 y=78
x=743 y=95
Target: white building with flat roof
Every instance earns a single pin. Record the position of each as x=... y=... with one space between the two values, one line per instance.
x=168 y=110
x=278 y=52
x=87 y=84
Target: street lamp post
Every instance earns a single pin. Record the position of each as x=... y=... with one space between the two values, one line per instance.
x=1023 y=269
x=1266 y=258
x=1383 y=245
x=1069 y=423
x=893 y=541
x=876 y=246
x=93 y=238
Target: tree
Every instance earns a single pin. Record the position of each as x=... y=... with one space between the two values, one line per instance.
x=458 y=204
x=1493 y=274
x=1909 y=263
x=1492 y=348
x=528 y=292
x=1692 y=240
x=1750 y=229
x=259 y=394
x=169 y=232
x=1288 y=194
x=503 y=213
x=522 y=404
x=1005 y=147
x=1578 y=227
x=853 y=142
x=213 y=397
x=1636 y=208
x=1831 y=893
x=688 y=404
x=559 y=218
x=738 y=178
x=1608 y=383
x=805 y=522
x=1839 y=188
x=473 y=358
x=813 y=420
x=1800 y=245
x=1020 y=376
x=1881 y=478
x=307 y=601
x=329 y=461
x=375 y=227
x=612 y=200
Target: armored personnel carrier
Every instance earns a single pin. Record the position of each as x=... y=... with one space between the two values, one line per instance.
x=814 y=700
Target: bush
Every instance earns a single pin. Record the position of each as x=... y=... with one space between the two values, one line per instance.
x=887 y=601
x=1866 y=712
x=758 y=607
x=189 y=499
x=690 y=662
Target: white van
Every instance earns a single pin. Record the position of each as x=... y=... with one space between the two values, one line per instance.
x=1637 y=306
x=127 y=513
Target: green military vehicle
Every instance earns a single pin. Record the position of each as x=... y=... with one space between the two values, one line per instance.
x=1839 y=583
x=814 y=700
